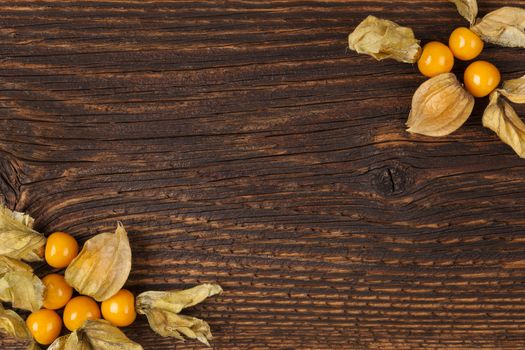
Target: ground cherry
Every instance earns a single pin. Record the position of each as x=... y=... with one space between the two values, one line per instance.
x=481 y=78
x=45 y=326
x=435 y=59
x=465 y=44
x=57 y=292
x=120 y=309
x=78 y=310
x=61 y=249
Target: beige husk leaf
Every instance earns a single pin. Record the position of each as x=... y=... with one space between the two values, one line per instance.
x=383 y=39
x=514 y=90
x=102 y=267
x=500 y=117
x=95 y=335
x=19 y=286
x=62 y=344
x=439 y=106
x=101 y=335
x=8 y=264
x=12 y=325
x=504 y=26
x=71 y=341
x=467 y=8
x=162 y=308
x=17 y=238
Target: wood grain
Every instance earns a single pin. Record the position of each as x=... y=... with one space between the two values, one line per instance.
x=240 y=142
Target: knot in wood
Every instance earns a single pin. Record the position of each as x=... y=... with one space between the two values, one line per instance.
x=391 y=179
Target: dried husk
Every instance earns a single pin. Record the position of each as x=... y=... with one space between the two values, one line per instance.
x=22 y=289
x=500 y=117
x=102 y=267
x=71 y=341
x=8 y=264
x=504 y=26
x=467 y=9
x=439 y=106
x=383 y=39
x=514 y=90
x=101 y=335
x=18 y=284
x=95 y=335
x=61 y=344
x=17 y=238
x=168 y=324
x=13 y=326
x=176 y=300
x=162 y=308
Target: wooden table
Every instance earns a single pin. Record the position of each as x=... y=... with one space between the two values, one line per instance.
x=241 y=142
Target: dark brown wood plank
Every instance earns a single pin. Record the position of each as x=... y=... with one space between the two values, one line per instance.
x=240 y=142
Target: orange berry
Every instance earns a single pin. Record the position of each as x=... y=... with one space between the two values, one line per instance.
x=45 y=326
x=435 y=59
x=481 y=78
x=120 y=309
x=61 y=249
x=465 y=44
x=78 y=310
x=57 y=292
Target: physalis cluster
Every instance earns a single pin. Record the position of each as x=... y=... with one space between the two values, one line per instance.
x=441 y=105
x=98 y=273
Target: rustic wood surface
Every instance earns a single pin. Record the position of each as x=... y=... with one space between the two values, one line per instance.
x=240 y=142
